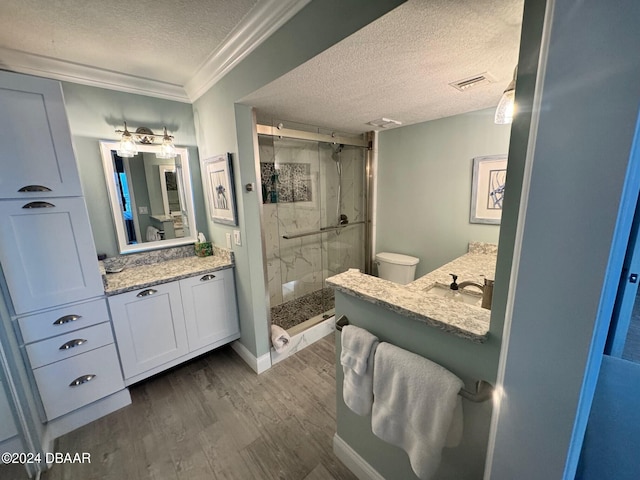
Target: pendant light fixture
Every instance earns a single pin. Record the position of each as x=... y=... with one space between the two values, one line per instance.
x=128 y=147
x=506 y=107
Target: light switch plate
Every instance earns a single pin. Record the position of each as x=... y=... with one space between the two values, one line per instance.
x=228 y=235
x=143 y=210
x=236 y=237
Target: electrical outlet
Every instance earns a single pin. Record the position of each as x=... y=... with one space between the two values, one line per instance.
x=236 y=237
x=143 y=210
x=228 y=235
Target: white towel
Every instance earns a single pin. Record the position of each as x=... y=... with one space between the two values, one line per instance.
x=356 y=358
x=415 y=401
x=280 y=339
x=153 y=234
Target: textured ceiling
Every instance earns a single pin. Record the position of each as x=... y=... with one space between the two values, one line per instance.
x=400 y=67
x=161 y=40
x=397 y=67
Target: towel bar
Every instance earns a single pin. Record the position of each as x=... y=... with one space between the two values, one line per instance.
x=484 y=390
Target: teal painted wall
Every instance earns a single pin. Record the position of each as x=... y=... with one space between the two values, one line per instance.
x=94 y=114
x=424 y=186
x=318 y=26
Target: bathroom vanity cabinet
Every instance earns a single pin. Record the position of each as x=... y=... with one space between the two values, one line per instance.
x=164 y=325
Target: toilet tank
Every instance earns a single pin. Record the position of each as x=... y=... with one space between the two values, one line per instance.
x=396 y=267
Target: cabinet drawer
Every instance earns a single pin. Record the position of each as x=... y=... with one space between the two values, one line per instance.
x=56 y=382
x=68 y=345
x=63 y=320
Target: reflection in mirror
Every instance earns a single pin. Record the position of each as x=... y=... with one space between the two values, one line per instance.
x=151 y=199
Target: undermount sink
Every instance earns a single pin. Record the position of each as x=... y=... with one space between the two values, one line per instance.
x=468 y=297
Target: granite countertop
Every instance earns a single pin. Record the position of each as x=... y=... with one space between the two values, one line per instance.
x=144 y=275
x=467 y=321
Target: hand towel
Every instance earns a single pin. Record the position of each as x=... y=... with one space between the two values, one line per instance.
x=356 y=358
x=280 y=339
x=415 y=401
x=153 y=234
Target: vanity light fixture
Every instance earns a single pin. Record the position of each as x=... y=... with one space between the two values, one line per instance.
x=128 y=148
x=506 y=107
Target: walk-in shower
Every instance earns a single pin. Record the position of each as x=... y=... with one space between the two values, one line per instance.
x=315 y=217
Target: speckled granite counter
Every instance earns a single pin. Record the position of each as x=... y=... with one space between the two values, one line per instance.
x=411 y=300
x=140 y=274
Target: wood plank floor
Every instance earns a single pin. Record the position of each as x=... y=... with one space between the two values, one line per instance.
x=214 y=418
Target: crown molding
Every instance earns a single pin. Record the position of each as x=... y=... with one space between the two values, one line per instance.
x=263 y=20
x=23 y=62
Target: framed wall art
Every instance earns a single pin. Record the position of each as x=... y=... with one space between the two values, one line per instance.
x=217 y=174
x=487 y=189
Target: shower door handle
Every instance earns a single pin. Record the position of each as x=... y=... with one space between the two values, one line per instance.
x=322 y=230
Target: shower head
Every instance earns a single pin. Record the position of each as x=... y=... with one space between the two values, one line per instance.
x=337 y=148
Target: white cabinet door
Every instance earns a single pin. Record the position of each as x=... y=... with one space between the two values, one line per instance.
x=47 y=253
x=210 y=308
x=149 y=327
x=37 y=155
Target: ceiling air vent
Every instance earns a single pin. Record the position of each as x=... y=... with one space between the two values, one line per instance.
x=384 y=122
x=474 y=81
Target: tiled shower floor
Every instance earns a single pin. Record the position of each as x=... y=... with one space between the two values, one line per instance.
x=294 y=312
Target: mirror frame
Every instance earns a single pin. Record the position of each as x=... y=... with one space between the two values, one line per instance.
x=106 y=147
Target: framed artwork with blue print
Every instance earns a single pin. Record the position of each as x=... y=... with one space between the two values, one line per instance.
x=217 y=175
x=487 y=189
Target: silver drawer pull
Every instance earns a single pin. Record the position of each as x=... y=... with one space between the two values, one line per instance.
x=67 y=319
x=34 y=188
x=207 y=277
x=147 y=292
x=83 y=379
x=39 y=205
x=73 y=343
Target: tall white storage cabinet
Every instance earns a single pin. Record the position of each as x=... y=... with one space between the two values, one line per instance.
x=47 y=254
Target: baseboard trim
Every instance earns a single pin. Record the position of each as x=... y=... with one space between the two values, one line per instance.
x=354 y=462
x=257 y=364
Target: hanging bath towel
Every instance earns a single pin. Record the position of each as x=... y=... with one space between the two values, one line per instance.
x=416 y=406
x=356 y=358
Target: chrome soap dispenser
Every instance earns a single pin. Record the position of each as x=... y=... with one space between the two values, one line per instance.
x=453 y=293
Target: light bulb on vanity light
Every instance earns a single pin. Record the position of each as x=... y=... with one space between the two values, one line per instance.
x=167 y=149
x=127 y=147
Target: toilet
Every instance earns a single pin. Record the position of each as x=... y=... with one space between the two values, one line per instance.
x=396 y=267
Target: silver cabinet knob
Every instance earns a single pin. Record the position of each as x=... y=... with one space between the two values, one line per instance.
x=207 y=278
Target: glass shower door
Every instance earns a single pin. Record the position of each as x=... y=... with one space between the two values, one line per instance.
x=313 y=195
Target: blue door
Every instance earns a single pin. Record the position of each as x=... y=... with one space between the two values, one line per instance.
x=611 y=448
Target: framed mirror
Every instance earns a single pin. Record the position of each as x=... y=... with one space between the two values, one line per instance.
x=151 y=198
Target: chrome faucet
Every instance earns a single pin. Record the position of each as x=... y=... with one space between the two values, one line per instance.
x=487 y=291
